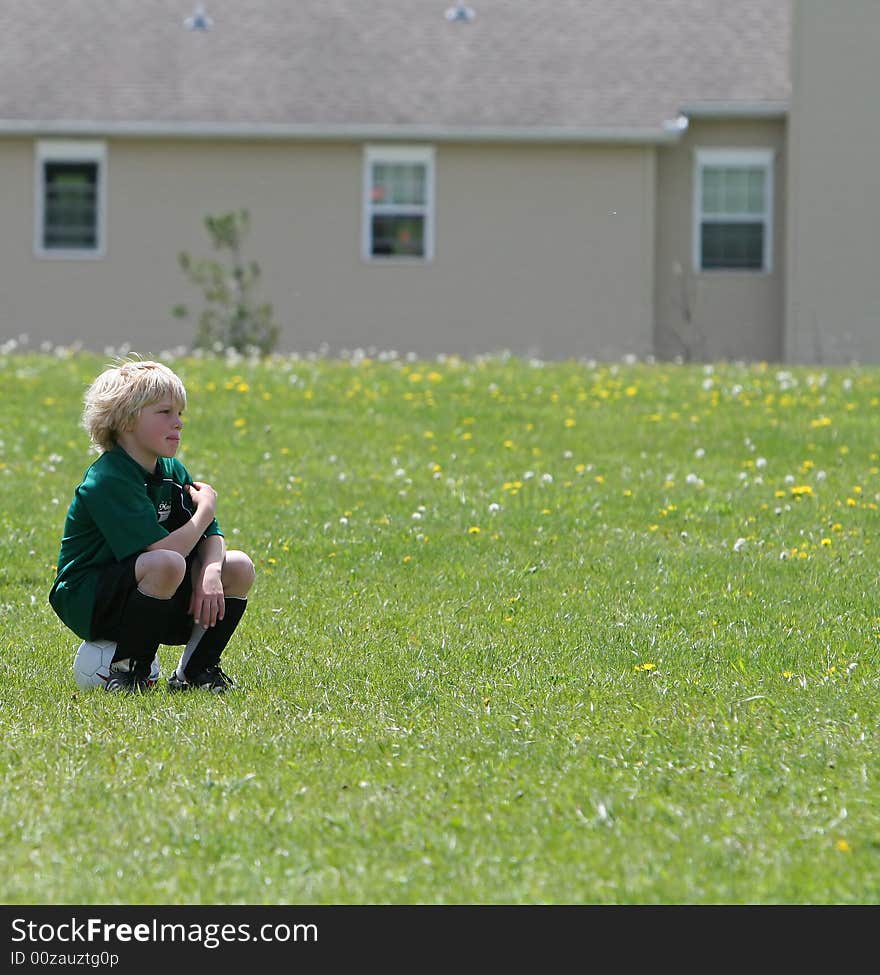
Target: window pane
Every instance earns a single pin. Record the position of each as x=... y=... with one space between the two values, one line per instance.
x=735 y=196
x=711 y=190
x=732 y=245
x=71 y=212
x=733 y=189
x=399 y=184
x=398 y=236
x=756 y=191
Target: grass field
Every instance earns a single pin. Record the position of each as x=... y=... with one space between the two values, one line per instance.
x=522 y=633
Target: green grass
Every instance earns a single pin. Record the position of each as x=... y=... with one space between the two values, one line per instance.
x=522 y=633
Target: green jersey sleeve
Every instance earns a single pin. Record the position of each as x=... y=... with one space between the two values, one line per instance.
x=122 y=512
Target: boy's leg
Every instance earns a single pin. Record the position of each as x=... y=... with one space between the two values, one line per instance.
x=146 y=606
x=200 y=661
x=204 y=648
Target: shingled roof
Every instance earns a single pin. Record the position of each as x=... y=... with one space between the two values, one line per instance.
x=324 y=68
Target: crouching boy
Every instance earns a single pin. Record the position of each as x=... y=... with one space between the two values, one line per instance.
x=143 y=561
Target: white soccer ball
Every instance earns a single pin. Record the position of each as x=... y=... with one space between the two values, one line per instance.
x=91 y=665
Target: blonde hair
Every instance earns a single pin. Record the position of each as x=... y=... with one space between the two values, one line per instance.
x=115 y=399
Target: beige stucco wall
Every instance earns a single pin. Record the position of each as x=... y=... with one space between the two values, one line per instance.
x=733 y=314
x=543 y=250
x=833 y=305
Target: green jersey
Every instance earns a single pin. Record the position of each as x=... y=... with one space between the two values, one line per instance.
x=117 y=511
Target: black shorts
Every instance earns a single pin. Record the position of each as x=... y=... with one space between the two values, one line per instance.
x=117 y=583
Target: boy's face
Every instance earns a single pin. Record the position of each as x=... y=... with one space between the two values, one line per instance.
x=156 y=433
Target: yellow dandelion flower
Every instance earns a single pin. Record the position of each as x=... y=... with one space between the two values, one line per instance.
x=842 y=846
x=570 y=421
x=826 y=542
x=644 y=667
x=242 y=388
x=788 y=674
x=240 y=422
x=474 y=530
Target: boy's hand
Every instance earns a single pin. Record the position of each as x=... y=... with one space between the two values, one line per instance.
x=207 y=603
x=203 y=495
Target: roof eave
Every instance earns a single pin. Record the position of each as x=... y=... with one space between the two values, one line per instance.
x=338 y=133
x=736 y=110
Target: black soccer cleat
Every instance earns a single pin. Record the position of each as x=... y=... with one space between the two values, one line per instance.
x=129 y=677
x=210 y=679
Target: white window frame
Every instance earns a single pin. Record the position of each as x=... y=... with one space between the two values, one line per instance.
x=733 y=158
x=396 y=154
x=72 y=152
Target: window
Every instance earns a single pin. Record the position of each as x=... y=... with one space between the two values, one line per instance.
x=398 y=218
x=733 y=206
x=70 y=199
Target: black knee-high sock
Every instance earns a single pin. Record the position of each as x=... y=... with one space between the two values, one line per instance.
x=143 y=623
x=213 y=642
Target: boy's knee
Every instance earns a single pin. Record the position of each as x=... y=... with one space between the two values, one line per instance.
x=238 y=573
x=160 y=571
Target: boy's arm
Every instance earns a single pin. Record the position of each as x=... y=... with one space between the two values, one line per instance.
x=184 y=539
x=207 y=603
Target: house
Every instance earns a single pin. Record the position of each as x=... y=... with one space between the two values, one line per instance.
x=553 y=178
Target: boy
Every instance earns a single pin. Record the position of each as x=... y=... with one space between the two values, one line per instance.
x=143 y=560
